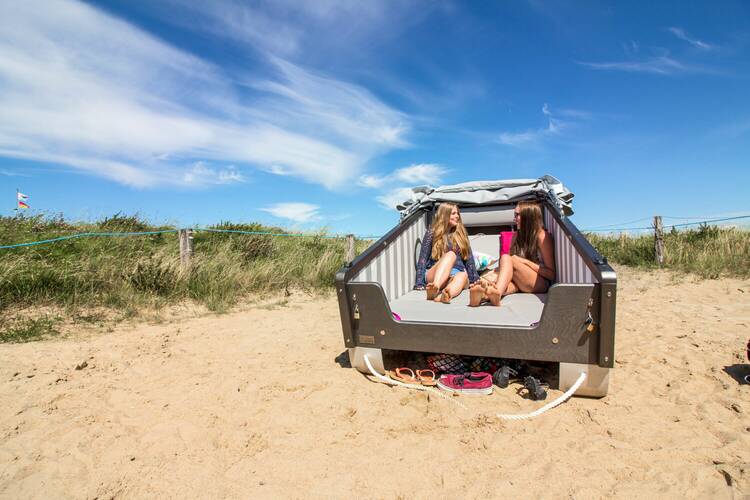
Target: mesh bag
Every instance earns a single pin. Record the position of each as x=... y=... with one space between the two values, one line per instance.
x=482 y=364
x=447 y=363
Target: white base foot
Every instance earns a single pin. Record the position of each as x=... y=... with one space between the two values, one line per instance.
x=596 y=384
x=357 y=358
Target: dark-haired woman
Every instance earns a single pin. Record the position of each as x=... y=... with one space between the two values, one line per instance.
x=530 y=265
x=446 y=264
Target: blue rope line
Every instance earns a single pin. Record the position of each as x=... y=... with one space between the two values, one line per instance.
x=83 y=235
x=146 y=233
x=301 y=235
x=607 y=226
x=268 y=233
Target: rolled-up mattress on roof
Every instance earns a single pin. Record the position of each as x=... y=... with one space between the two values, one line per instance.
x=489 y=192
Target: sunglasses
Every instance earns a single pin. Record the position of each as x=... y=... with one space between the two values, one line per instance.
x=516 y=215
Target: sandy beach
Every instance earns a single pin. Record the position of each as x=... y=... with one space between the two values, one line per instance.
x=260 y=403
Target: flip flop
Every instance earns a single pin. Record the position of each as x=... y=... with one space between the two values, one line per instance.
x=427 y=377
x=405 y=375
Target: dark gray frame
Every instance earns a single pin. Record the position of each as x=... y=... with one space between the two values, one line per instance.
x=561 y=334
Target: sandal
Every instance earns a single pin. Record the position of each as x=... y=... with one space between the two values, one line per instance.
x=427 y=377
x=405 y=375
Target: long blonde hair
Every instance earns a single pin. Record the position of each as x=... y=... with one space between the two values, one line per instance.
x=441 y=231
x=526 y=242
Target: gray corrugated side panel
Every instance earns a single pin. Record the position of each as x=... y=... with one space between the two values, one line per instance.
x=347 y=272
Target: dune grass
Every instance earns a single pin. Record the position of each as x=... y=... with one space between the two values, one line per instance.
x=706 y=251
x=130 y=273
x=17 y=330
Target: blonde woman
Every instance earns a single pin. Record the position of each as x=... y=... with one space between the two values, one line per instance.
x=446 y=264
x=530 y=265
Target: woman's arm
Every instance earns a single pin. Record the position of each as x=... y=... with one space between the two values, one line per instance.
x=547 y=267
x=471 y=268
x=548 y=256
x=424 y=254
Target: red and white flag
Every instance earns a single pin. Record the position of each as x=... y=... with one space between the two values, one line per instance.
x=22 y=200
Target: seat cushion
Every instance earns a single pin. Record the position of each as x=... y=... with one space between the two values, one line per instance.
x=519 y=309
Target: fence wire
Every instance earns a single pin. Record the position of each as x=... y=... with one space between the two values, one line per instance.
x=333 y=236
x=207 y=230
x=666 y=226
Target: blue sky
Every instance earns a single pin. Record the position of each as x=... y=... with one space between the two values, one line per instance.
x=317 y=114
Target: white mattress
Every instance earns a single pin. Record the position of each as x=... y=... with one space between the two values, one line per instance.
x=519 y=309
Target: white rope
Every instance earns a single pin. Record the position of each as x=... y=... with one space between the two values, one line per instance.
x=521 y=416
x=550 y=405
x=390 y=381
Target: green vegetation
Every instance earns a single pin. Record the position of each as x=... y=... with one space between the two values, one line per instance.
x=708 y=251
x=16 y=330
x=129 y=273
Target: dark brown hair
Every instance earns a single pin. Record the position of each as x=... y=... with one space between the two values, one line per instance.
x=526 y=242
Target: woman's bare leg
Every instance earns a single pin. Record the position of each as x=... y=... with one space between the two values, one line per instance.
x=432 y=290
x=504 y=279
x=526 y=279
x=492 y=276
x=454 y=287
x=443 y=269
x=438 y=274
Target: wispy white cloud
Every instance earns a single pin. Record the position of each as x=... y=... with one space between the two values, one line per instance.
x=660 y=65
x=288 y=28
x=393 y=197
x=631 y=48
x=418 y=173
x=296 y=212
x=278 y=170
x=522 y=138
x=424 y=173
x=392 y=184
x=127 y=106
x=680 y=33
x=555 y=126
x=372 y=181
x=9 y=173
x=333 y=106
x=202 y=174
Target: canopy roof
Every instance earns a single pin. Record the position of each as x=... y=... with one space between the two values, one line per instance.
x=489 y=193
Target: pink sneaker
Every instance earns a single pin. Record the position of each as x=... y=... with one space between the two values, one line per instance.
x=468 y=383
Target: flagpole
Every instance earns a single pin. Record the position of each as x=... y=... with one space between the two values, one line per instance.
x=16 y=209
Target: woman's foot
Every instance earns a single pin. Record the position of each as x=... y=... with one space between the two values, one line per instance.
x=476 y=294
x=493 y=294
x=432 y=291
x=445 y=297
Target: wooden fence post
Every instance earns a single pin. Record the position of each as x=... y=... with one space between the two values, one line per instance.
x=349 y=249
x=658 y=240
x=186 y=246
